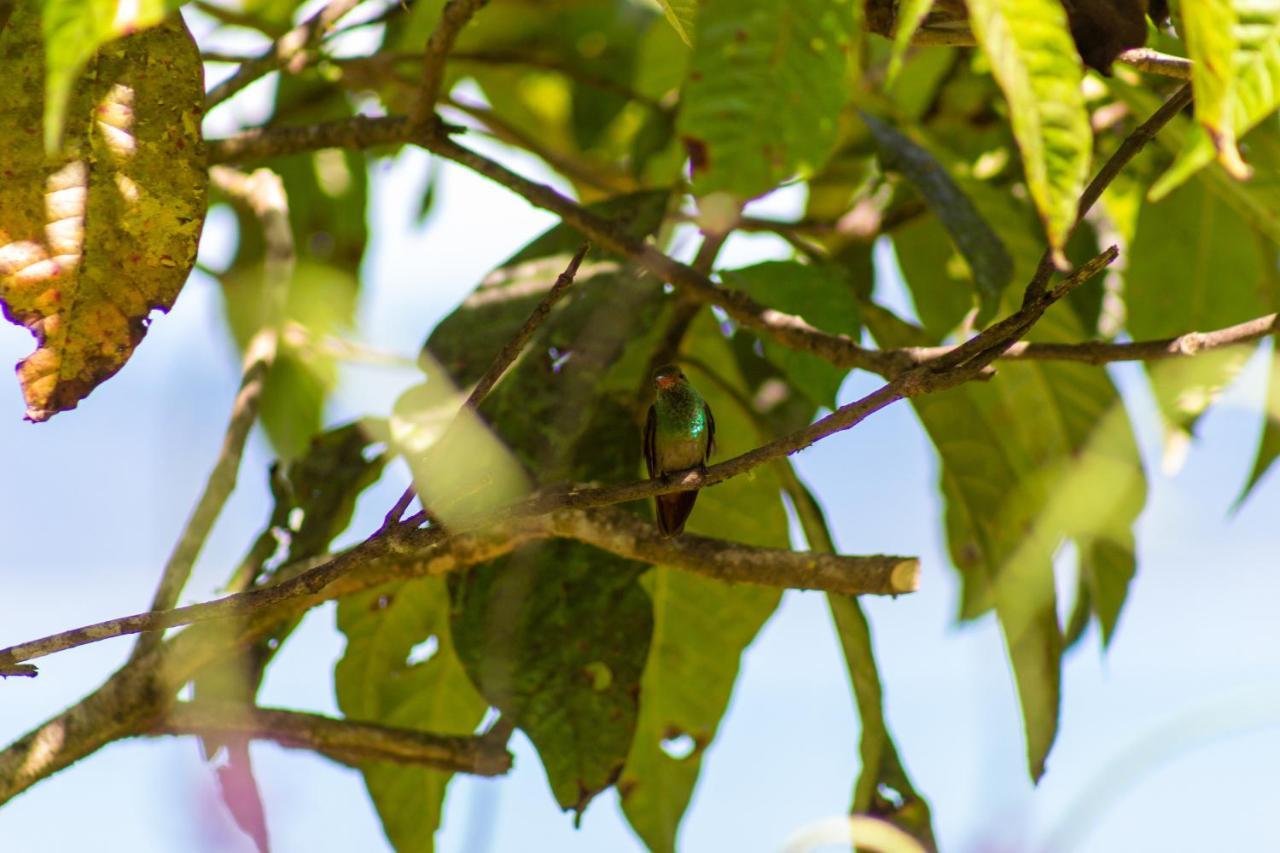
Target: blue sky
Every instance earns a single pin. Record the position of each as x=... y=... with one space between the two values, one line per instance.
x=1169 y=740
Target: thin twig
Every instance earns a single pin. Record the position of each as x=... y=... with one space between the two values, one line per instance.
x=348 y=741
x=1126 y=151
x=1151 y=61
x=263 y=191
x=504 y=359
x=453 y=18
x=286 y=51
x=667 y=349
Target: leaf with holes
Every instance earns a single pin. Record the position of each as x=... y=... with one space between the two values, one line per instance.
x=701 y=627
x=1036 y=64
x=95 y=239
x=394 y=674
x=556 y=634
x=764 y=92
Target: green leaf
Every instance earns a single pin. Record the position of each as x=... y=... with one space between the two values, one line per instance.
x=1036 y=64
x=1107 y=567
x=556 y=635
x=328 y=193
x=988 y=260
x=938 y=278
x=910 y=14
x=819 y=293
x=883 y=788
x=1269 y=441
x=1235 y=71
x=381 y=678
x=764 y=92
x=73 y=32
x=1041 y=453
x=101 y=234
x=1253 y=200
x=1194 y=266
x=701 y=627
x=683 y=15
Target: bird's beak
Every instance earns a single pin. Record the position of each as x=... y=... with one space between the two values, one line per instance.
x=665 y=382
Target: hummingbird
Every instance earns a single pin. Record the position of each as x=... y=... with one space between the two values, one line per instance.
x=679 y=434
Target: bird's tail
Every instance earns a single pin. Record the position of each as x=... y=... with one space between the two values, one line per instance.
x=673 y=511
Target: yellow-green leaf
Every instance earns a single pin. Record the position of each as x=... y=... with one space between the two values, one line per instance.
x=1036 y=65
x=1235 y=71
x=1042 y=453
x=764 y=92
x=73 y=31
x=400 y=669
x=910 y=15
x=97 y=237
x=682 y=14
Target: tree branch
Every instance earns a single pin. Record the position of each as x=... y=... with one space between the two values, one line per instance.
x=433 y=551
x=287 y=50
x=349 y=741
x=504 y=359
x=453 y=18
x=263 y=192
x=789 y=330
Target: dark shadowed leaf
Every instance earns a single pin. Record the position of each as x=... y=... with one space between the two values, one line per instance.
x=989 y=261
x=701 y=626
x=556 y=634
x=1103 y=28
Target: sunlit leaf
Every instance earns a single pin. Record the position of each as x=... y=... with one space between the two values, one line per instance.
x=683 y=15
x=95 y=239
x=1042 y=453
x=73 y=31
x=764 y=92
x=1194 y=266
x=1034 y=61
x=1235 y=71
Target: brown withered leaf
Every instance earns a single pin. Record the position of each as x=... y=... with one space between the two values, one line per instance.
x=96 y=237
